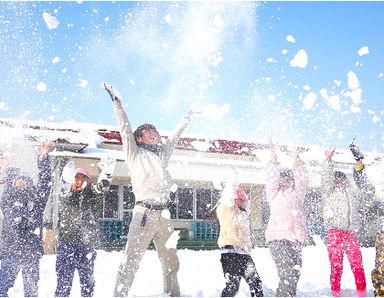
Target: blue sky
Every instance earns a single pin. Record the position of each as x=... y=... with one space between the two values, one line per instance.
x=309 y=73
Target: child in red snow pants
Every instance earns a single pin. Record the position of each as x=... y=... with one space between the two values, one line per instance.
x=338 y=242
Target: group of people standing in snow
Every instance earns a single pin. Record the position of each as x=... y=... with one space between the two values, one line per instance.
x=345 y=206
x=22 y=205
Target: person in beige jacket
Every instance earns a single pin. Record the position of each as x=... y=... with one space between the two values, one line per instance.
x=147 y=158
x=233 y=210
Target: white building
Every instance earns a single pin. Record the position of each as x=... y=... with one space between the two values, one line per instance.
x=198 y=167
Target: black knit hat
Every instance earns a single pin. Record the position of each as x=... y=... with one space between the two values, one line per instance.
x=339 y=175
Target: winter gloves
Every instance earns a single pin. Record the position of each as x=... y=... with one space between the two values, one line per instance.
x=193 y=113
x=357 y=155
x=107 y=166
x=69 y=173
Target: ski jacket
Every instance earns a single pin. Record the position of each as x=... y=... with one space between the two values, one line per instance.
x=23 y=212
x=342 y=206
x=151 y=181
x=234 y=226
x=80 y=212
x=367 y=192
x=287 y=217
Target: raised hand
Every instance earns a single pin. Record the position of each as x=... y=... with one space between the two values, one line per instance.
x=42 y=151
x=113 y=93
x=69 y=172
x=5 y=161
x=107 y=165
x=357 y=155
x=193 y=113
x=329 y=153
x=272 y=147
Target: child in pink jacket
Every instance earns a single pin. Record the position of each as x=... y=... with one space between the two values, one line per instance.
x=286 y=232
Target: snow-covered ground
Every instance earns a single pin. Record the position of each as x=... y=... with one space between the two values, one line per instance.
x=200 y=274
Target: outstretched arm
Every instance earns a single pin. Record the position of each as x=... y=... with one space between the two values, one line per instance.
x=129 y=143
x=272 y=173
x=172 y=141
x=45 y=172
x=301 y=175
x=361 y=179
x=5 y=161
x=327 y=174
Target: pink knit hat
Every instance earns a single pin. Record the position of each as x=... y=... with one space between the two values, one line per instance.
x=241 y=194
x=84 y=172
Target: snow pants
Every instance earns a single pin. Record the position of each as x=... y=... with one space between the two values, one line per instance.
x=338 y=242
x=147 y=225
x=235 y=266
x=287 y=256
x=10 y=267
x=378 y=271
x=69 y=258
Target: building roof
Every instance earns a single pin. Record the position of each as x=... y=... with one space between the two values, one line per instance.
x=94 y=141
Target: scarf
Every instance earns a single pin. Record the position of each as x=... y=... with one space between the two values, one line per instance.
x=153 y=148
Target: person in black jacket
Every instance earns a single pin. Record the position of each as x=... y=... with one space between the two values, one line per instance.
x=23 y=206
x=80 y=208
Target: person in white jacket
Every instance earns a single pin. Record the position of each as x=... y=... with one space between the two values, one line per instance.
x=147 y=158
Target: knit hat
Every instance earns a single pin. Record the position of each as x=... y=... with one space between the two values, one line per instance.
x=241 y=194
x=84 y=172
x=339 y=175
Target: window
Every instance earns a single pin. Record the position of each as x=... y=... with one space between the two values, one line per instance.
x=128 y=205
x=215 y=197
x=192 y=203
x=173 y=205
x=128 y=198
x=206 y=199
x=185 y=203
x=111 y=203
x=203 y=202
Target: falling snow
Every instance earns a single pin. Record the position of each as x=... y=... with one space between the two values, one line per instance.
x=51 y=21
x=300 y=60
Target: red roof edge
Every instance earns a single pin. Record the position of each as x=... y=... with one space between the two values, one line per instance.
x=213 y=146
